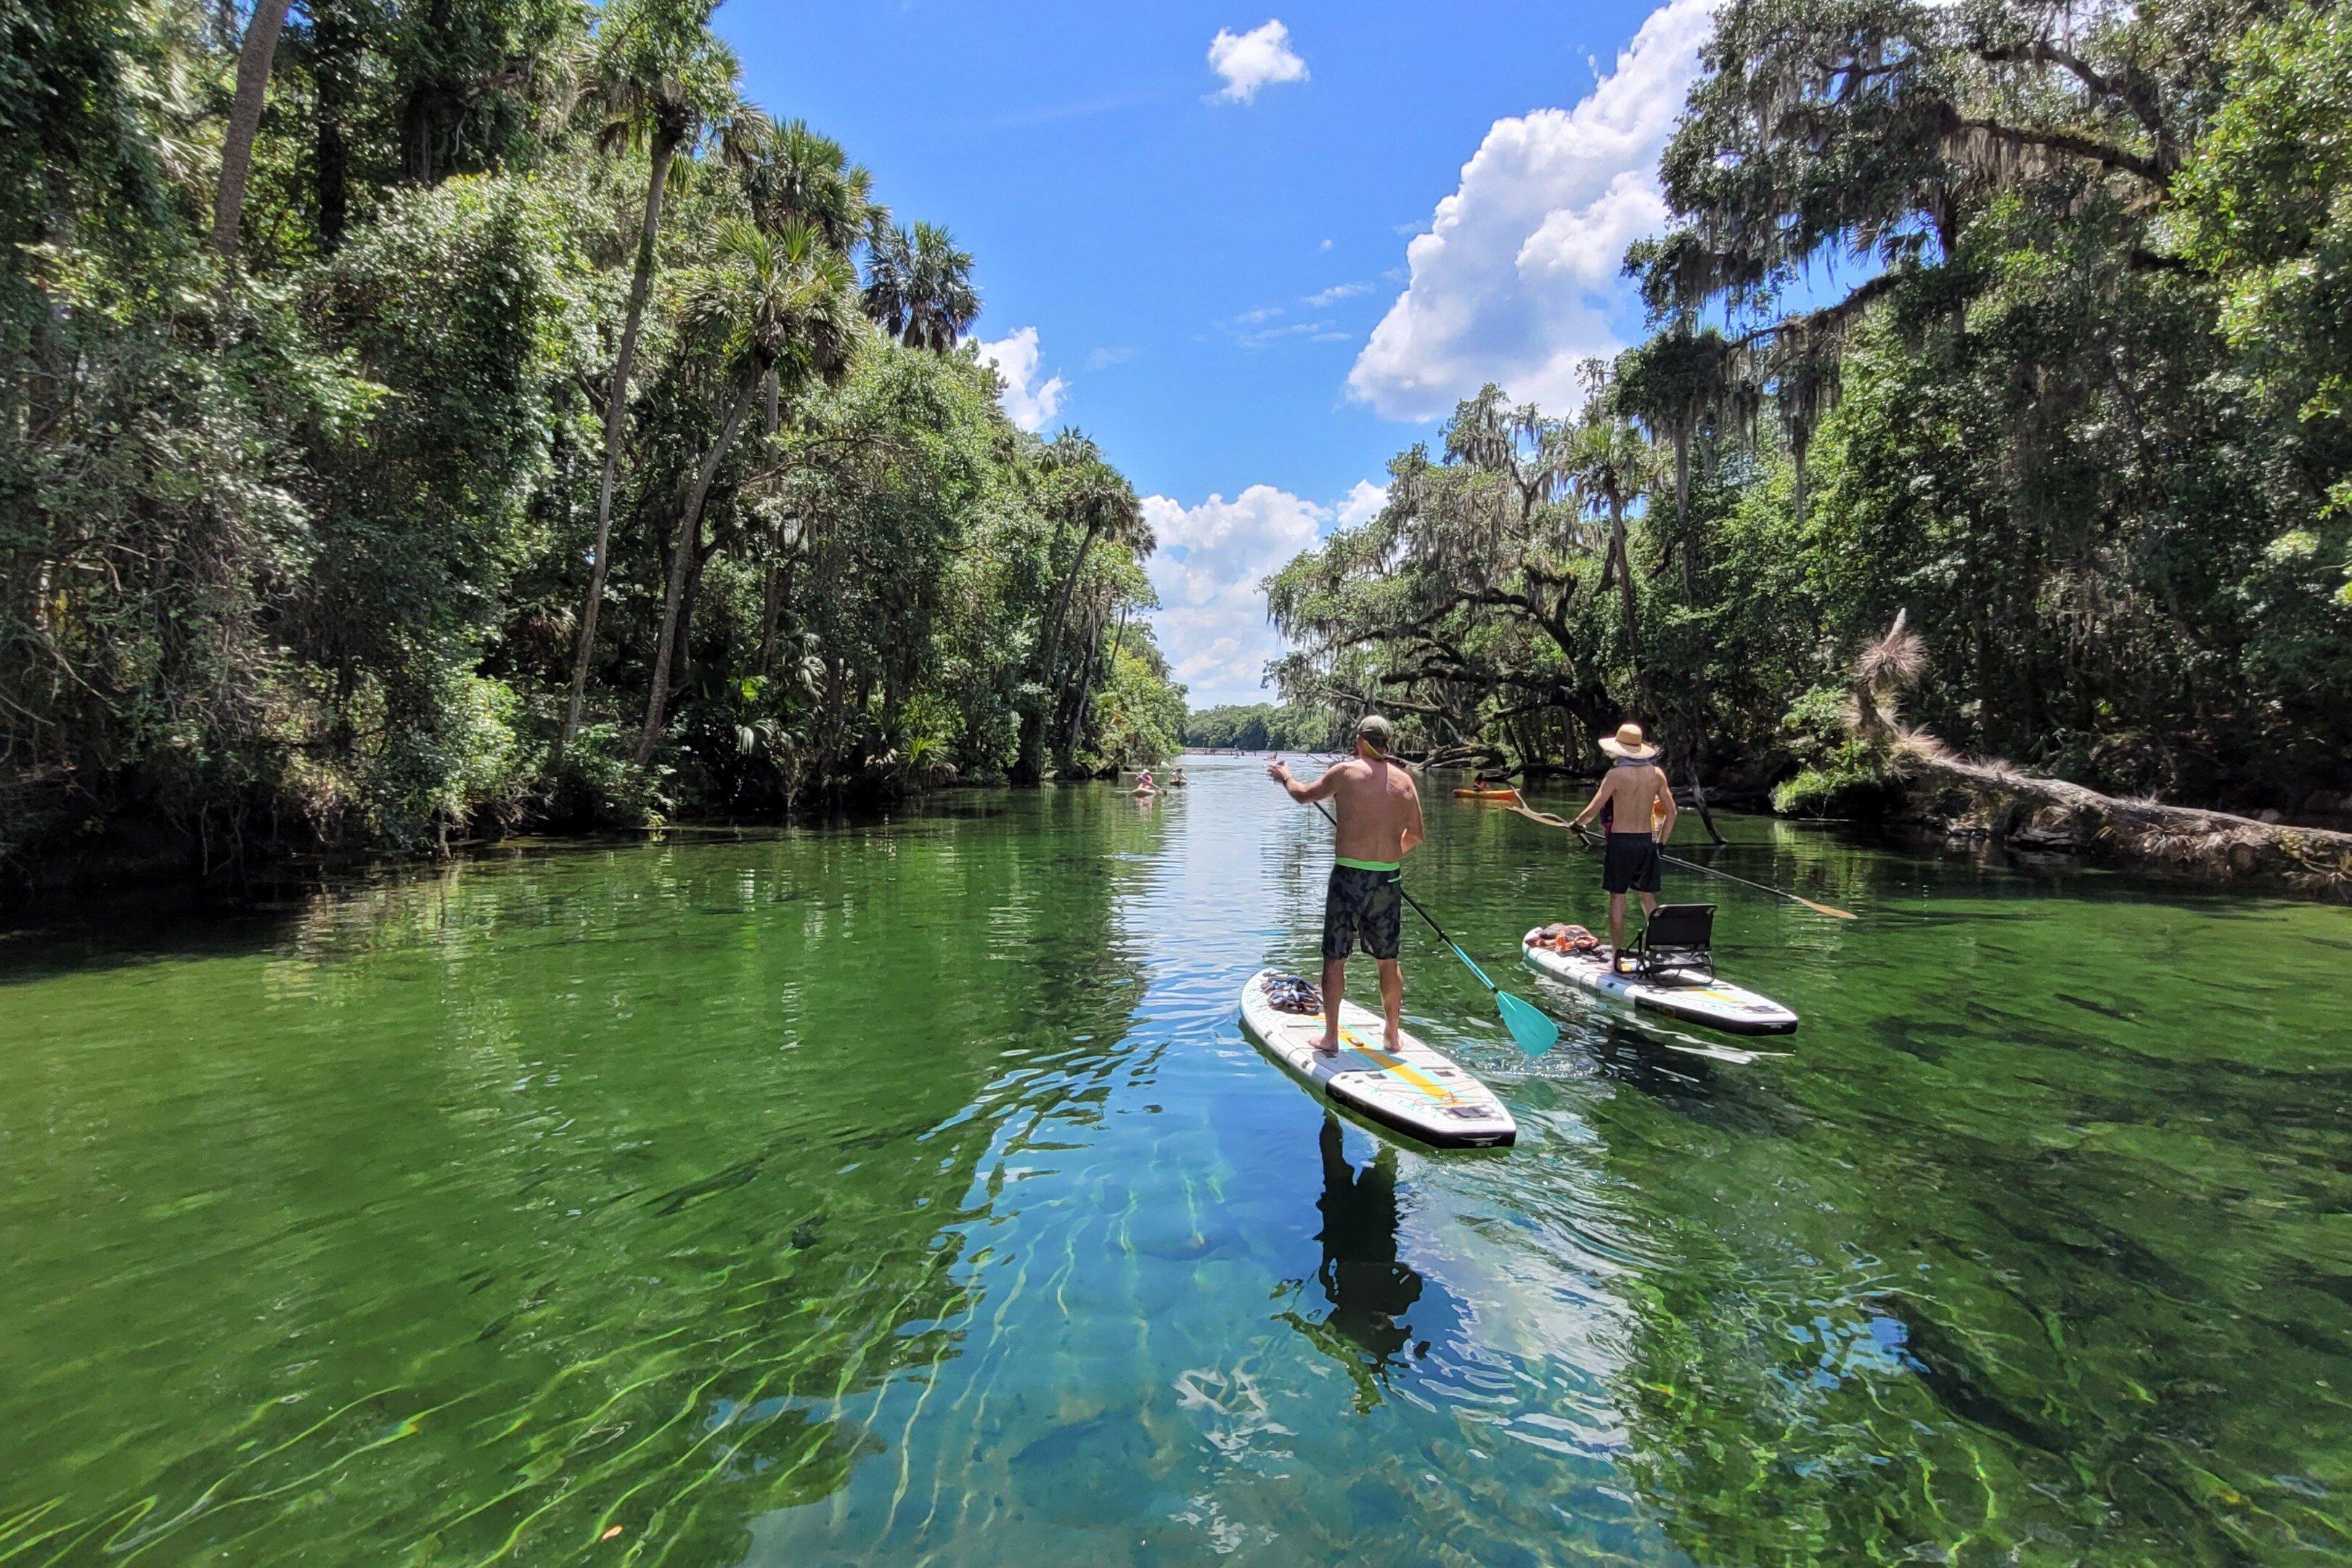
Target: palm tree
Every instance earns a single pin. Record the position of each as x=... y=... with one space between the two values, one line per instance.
x=919 y=285
x=255 y=55
x=1678 y=385
x=663 y=82
x=1091 y=496
x=1611 y=467
x=1129 y=590
x=784 y=303
x=804 y=176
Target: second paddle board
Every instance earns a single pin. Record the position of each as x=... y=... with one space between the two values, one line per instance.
x=1715 y=1003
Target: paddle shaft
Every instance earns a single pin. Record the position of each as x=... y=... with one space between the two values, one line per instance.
x=1830 y=909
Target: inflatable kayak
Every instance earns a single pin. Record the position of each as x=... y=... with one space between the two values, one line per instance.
x=1415 y=1090
x=1714 y=1004
x=1467 y=793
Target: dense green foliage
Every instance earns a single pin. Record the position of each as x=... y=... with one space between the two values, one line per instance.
x=559 y=439
x=2085 y=421
x=1264 y=727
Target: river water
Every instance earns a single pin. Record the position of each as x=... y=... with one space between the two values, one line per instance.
x=906 y=1192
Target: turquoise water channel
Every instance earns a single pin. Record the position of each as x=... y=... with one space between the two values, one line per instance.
x=906 y=1192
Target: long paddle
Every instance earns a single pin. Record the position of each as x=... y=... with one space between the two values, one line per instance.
x=1528 y=1024
x=1548 y=820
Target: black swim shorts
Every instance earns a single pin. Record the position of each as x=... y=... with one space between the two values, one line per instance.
x=1630 y=864
x=1362 y=905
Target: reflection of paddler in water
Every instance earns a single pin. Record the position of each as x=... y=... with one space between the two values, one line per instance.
x=1369 y=1291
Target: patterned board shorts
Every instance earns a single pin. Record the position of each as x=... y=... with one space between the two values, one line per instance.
x=1362 y=905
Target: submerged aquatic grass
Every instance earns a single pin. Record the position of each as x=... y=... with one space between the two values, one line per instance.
x=908 y=1190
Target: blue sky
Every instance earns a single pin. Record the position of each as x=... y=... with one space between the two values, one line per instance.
x=1254 y=252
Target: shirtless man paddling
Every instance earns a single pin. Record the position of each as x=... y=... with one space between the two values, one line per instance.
x=1380 y=824
x=1633 y=795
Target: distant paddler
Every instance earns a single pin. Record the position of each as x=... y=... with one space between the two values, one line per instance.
x=1636 y=809
x=1379 y=824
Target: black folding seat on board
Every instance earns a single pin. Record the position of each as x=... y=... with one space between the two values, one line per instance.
x=1676 y=943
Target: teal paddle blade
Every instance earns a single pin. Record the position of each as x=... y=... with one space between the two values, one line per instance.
x=1528 y=1024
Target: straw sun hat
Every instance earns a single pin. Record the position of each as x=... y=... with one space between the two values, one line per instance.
x=1630 y=743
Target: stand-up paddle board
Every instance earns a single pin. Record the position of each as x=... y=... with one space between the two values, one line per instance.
x=1413 y=1090
x=1713 y=1003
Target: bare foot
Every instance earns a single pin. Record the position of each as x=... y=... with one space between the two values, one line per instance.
x=1328 y=1046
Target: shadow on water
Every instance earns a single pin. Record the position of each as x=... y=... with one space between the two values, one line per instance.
x=1369 y=1326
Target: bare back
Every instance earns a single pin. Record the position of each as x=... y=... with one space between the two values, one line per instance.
x=1639 y=799
x=1378 y=805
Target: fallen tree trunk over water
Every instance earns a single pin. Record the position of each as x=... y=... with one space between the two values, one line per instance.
x=2032 y=812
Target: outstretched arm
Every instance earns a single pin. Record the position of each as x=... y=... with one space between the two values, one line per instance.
x=1279 y=771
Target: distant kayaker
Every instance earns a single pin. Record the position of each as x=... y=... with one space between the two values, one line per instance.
x=1632 y=800
x=1379 y=809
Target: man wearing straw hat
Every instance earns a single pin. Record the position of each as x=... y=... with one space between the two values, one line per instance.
x=1636 y=808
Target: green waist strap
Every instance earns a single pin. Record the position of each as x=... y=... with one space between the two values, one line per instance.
x=1367 y=865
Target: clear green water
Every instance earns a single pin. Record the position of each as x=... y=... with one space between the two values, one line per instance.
x=908 y=1194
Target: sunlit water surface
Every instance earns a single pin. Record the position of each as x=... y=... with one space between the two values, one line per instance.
x=907 y=1192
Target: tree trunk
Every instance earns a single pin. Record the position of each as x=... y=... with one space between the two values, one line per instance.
x=1107 y=661
x=1683 y=514
x=684 y=661
x=1623 y=551
x=254 y=59
x=1032 y=730
x=2047 y=813
x=1062 y=609
x=334 y=44
x=681 y=560
x=771 y=576
x=1698 y=764
x=616 y=411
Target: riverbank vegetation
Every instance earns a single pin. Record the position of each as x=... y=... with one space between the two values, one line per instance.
x=424 y=421
x=2083 y=416
x=1265 y=727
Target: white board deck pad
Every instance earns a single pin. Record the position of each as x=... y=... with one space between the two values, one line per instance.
x=1414 y=1090
x=1718 y=1003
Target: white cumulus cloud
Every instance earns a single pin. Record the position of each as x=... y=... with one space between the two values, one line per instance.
x=1516 y=279
x=1212 y=620
x=1028 y=402
x=1248 y=61
x=1363 y=503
